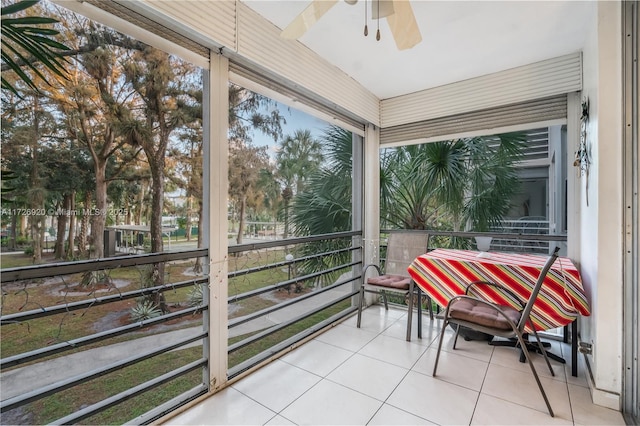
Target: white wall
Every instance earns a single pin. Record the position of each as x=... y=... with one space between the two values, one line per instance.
x=602 y=204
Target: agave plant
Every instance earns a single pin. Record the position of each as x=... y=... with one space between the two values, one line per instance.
x=195 y=296
x=144 y=309
x=27 y=41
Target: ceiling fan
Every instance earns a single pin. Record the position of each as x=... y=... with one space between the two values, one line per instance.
x=399 y=14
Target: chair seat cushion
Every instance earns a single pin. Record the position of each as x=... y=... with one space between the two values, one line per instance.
x=397 y=282
x=477 y=312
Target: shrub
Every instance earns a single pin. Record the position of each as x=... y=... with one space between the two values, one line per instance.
x=144 y=309
x=195 y=296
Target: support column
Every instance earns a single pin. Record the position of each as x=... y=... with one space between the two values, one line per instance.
x=215 y=190
x=371 y=229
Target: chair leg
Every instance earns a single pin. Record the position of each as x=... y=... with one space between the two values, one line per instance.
x=543 y=352
x=444 y=327
x=430 y=306
x=360 y=305
x=384 y=299
x=455 y=338
x=419 y=298
x=409 y=311
x=533 y=370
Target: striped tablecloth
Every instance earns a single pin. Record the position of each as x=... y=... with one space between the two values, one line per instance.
x=444 y=273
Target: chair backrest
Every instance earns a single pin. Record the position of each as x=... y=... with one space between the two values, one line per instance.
x=534 y=293
x=402 y=248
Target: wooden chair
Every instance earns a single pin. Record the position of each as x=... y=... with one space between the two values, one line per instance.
x=402 y=248
x=498 y=320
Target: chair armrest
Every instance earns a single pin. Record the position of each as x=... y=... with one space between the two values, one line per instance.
x=484 y=302
x=501 y=287
x=376 y=267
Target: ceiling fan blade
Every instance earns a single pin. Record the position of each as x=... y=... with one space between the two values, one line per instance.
x=305 y=20
x=403 y=25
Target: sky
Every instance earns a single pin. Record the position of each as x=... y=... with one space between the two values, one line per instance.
x=296 y=120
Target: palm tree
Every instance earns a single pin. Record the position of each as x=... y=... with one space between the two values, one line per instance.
x=324 y=206
x=467 y=182
x=298 y=157
x=450 y=184
x=480 y=180
x=406 y=201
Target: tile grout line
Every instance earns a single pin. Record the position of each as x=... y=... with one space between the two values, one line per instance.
x=486 y=373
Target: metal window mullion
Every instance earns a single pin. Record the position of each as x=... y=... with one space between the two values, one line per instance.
x=631 y=186
x=28 y=397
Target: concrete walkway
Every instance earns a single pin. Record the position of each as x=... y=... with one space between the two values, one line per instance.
x=25 y=379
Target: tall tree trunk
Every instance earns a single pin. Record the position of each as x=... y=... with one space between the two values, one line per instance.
x=58 y=251
x=99 y=218
x=243 y=205
x=127 y=216
x=155 y=228
x=36 y=193
x=189 y=221
x=36 y=237
x=14 y=232
x=84 y=227
x=285 y=234
x=157 y=204
x=140 y=208
x=70 y=205
x=23 y=226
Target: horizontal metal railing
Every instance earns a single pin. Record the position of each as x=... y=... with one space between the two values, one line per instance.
x=72 y=344
x=500 y=236
x=93 y=265
x=30 y=273
x=250 y=317
x=24 y=274
x=353 y=249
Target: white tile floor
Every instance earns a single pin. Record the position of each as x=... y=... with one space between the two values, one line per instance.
x=372 y=376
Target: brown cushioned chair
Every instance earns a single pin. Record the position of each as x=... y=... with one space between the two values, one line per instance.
x=402 y=248
x=498 y=320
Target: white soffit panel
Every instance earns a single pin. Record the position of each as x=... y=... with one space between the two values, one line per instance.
x=534 y=81
x=215 y=20
x=259 y=41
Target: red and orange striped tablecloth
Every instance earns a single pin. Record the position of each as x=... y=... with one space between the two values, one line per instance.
x=445 y=273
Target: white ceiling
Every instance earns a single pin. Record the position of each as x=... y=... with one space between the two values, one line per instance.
x=460 y=39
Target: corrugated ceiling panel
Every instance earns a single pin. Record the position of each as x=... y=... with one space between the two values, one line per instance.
x=213 y=19
x=537 y=146
x=259 y=41
x=541 y=79
x=539 y=110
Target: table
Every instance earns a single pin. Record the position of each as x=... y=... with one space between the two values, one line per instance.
x=445 y=273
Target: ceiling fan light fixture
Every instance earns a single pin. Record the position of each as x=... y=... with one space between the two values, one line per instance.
x=381 y=8
x=351 y=2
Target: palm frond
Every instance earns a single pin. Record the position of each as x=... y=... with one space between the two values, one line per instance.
x=25 y=44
